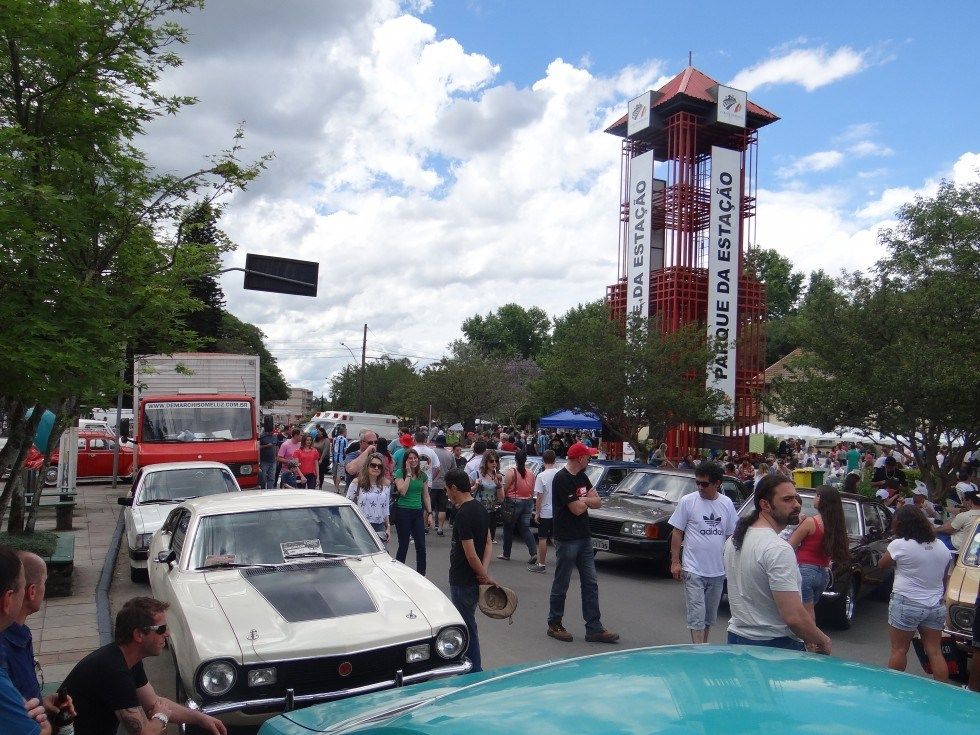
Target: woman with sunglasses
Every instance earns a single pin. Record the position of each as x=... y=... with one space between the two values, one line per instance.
x=371 y=492
x=488 y=489
x=413 y=509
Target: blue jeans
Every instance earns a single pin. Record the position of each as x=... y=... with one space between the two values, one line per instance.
x=465 y=598
x=267 y=475
x=522 y=520
x=781 y=642
x=815 y=581
x=571 y=555
x=410 y=525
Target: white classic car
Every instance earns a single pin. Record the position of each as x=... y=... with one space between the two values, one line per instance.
x=157 y=488
x=285 y=598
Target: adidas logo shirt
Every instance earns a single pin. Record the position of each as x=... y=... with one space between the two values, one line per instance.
x=706 y=524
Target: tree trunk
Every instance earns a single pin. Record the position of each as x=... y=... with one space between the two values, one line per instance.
x=15 y=410
x=18 y=444
x=67 y=413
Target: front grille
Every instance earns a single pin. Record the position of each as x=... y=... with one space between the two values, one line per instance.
x=604 y=527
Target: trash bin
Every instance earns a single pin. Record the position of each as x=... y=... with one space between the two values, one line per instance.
x=803 y=477
x=817 y=478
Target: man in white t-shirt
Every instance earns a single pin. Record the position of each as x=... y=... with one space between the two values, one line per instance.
x=763 y=577
x=702 y=522
x=429 y=463
x=473 y=465
x=956 y=528
x=543 y=513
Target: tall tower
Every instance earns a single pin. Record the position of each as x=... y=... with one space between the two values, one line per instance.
x=683 y=238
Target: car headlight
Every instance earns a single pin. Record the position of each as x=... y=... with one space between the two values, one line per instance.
x=415 y=654
x=634 y=529
x=217 y=678
x=143 y=541
x=245 y=469
x=962 y=617
x=262 y=677
x=450 y=642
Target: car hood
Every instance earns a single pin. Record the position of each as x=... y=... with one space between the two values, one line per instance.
x=673 y=689
x=630 y=507
x=149 y=518
x=324 y=607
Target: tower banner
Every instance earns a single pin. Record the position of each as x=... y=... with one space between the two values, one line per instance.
x=641 y=236
x=724 y=241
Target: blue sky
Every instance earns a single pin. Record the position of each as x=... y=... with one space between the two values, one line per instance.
x=441 y=159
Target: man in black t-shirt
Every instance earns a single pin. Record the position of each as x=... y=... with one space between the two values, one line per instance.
x=110 y=688
x=889 y=470
x=572 y=495
x=469 y=557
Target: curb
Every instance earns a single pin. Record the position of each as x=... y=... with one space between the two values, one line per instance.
x=102 y=612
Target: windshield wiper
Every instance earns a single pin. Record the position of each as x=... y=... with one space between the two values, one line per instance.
x=157 y=501
x=233 y=565
x=657 y=496
x=319 y=555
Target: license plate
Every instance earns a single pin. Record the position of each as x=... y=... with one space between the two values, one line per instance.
x=602 y=544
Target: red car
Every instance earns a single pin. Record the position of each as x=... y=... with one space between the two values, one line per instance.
x=95 y=450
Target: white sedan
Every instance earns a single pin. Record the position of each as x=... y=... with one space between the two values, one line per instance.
x=157 y=488
x=286 y=598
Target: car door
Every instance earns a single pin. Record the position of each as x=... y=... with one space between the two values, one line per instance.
x=875 y=543
x=100 y=450
x=171 y=538
x=614 y=476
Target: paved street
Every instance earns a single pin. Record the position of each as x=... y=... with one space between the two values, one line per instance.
x=643 y=607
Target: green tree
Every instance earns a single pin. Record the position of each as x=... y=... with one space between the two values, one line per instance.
x=630 y=377
x=91 y=253
x=389 y=385
x=200 y=228
x=511 y=331
x=900 y=360
x=783 y=284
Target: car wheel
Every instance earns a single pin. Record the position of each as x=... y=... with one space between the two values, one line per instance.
x=51 y=475
x=845 y=606
x=140 y=576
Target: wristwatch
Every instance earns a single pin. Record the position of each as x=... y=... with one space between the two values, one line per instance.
x=162 y=717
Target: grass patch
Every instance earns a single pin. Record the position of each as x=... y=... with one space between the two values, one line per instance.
x=41 y=543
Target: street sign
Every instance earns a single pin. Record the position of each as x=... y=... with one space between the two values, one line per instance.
x=281 y=275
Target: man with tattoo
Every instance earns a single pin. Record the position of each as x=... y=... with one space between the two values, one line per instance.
x=110 y=688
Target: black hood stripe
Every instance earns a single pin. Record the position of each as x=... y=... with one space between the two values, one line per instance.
x=311 y=591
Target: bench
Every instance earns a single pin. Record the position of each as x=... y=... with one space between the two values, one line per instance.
x=63 y=504
x=61 y=565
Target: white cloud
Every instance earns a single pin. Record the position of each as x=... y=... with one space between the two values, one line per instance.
x=810 y=68
x=866 y=148
x=818 y=161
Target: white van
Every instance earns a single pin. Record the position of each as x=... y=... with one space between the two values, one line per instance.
x=383 y=424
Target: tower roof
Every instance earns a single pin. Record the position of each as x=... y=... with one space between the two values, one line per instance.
x=691 y=90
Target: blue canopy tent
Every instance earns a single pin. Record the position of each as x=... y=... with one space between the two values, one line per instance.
x=567 y=419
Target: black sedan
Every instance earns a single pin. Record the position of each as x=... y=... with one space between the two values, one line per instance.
x=869 y=532
x=607 y=474
x=633 y=519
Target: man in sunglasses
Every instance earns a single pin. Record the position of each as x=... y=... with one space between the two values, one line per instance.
x=109 y=686
x=702 y=522
x=354 y=461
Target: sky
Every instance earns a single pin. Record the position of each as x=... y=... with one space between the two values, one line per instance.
x=441 y=159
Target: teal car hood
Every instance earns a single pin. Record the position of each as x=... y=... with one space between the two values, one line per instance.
x=672 y=689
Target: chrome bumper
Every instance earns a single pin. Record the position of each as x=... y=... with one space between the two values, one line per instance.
x=291 y=701
x=959 y=636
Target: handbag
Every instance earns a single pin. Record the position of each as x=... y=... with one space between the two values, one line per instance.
x=508 y=511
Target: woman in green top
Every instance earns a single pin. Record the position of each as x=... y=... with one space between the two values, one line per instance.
x=413 y=500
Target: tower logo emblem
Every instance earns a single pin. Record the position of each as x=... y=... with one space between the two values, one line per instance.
x=731 y=104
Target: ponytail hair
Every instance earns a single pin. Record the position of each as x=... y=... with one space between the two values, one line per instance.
x=765 y=489
x=520 y=458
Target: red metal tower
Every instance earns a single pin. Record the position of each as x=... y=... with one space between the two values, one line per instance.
x=684 y=125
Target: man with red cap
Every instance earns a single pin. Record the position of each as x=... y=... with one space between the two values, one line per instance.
x=572 y=495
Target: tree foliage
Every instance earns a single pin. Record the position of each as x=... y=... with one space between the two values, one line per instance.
x=511 y=331
x=631 y=377
x=389 y=385
x=902 y=341
x=783 y=284
x=92 y=251
x=241 y=338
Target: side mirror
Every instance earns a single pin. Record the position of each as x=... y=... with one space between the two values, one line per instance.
x=127 y=501
x=124 y=428
x=167 y=557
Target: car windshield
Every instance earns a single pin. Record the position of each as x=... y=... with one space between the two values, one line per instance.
x=851 y=518
x=663 y=486
x=280 y=534
x=187 y=421
x=192 y=482
x=971 y=552
x=594 y=472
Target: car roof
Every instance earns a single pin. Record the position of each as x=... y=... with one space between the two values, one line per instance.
x=251 y=500
x=616 y=463
x=195 y=465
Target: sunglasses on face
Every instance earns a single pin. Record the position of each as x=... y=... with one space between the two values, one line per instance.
x=158 y=629
x=376 y=466
x=702 y=483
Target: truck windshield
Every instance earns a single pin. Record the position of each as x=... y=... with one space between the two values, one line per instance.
x=189 y=421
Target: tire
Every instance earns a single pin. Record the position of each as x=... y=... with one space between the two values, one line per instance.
x=841 y=615
x=140 y=576
x=51 y=475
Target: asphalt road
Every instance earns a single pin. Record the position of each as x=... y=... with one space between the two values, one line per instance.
x=644 y=607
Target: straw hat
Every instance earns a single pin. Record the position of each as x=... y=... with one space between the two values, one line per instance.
x=496 y=601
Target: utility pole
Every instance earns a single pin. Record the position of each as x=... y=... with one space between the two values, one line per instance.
x=363 y=362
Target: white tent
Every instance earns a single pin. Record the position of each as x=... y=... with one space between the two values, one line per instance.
x=798 y=432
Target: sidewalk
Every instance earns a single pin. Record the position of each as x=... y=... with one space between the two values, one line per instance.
x=65 y=629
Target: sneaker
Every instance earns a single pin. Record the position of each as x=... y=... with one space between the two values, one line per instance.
x=558 y=632
x=539 y=568
x=603 y=636
x=532 y=561
x=503 y=558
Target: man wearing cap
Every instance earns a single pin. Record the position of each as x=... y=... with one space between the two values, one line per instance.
x=572 y=496
x=920 y=497
x=887 y=471
x=291 y=476
x=469 y=557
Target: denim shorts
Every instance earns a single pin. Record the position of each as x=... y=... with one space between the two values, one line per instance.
x=702 y=595
x=815 y=581
x=908 y=615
